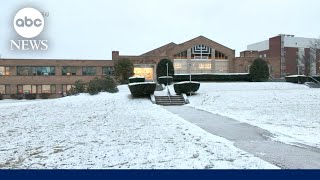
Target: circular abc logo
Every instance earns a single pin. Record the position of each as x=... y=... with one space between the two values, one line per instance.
x=28 y=22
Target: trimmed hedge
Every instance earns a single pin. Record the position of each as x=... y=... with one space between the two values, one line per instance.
x=213 y=77
x=298 y=79
x=142 y=89
x=17 y=96
x=316 y=78
x=45 y=95
x=105 y=84
x=165 y=79
x=137 y=79
x=30 y=96
x=186 y=87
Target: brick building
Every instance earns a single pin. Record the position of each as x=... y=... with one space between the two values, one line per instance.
x=198 y=55
x=48 y=76
x=284 y=53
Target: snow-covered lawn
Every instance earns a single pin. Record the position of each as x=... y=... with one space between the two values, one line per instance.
x=290 y=111
x=109 y=131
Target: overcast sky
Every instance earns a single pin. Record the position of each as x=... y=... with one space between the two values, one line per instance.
x=91 y=29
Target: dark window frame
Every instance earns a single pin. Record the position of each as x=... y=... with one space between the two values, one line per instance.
x=92 y=72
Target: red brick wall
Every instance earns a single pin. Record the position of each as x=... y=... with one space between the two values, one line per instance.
x=291 y=60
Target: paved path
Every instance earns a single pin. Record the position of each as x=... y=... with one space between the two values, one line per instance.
x=252 y=139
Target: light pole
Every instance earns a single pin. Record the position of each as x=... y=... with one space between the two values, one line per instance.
x=168 y=91
x=190 y=77
x=167 y=73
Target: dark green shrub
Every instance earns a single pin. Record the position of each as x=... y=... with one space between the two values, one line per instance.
x=186 y=87
x=17 y=96
x=79 y=87
x=123 y=70
x=165 y=79
x=105 y=84
x=1 y=96
x=71 y=92
x=30 y=96
x=137 y=79
x=13 y=96
x=44 y=95
x=316 y=78
x=259 y=71
x=213 y=77
x=142 y=89
x=298 y=79
x=162 y=68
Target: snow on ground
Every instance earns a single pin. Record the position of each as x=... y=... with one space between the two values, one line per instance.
x=290 y=111
x=109 y=131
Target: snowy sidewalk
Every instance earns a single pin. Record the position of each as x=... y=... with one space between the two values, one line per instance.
x=252 y=139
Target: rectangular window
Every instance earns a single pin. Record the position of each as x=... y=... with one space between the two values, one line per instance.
x=108 y=71
x=45 y=71
x=36 y=71
x=20 y=89
x=2 y=89
x=69 y=71
x=66 y=88
x=205 y=65
x=24 y=71
x=89 y=71
x=46 y=88
x=4 y=71
x=27 y=89
x=53 y=89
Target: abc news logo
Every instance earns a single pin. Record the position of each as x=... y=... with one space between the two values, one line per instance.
x=29 y=23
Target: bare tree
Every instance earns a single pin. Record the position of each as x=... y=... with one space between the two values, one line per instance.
x=307 y=62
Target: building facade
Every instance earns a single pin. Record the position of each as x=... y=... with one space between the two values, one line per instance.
x=198 y=55
x=288 y=55
x=48 y=76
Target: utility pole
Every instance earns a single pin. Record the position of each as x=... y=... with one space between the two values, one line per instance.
x=167 y=73
x=190 y=78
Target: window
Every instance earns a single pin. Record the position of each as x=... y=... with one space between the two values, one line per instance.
x=89 y=71
x=27 y=89
x=46 y=89
x=66 y=88
x=45 y=71
x=4 y=71
x=53 y=89
x=108 y=70
x=69 y=71
x=205 y=66
x=177 y=65
x=36 y=71
x=2 y=89
x=146 y=72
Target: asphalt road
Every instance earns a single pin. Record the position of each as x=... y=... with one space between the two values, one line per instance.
x=252 y=139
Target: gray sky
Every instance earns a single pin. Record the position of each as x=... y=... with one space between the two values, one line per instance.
x=91 y=29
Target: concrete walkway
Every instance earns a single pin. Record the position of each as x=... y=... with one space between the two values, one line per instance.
x=252 y=139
